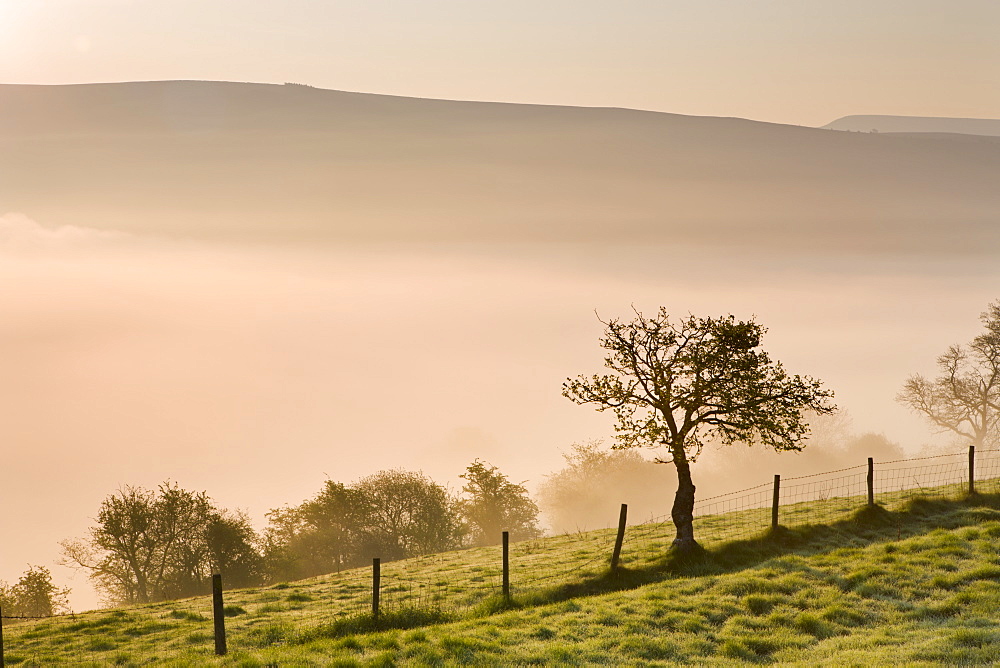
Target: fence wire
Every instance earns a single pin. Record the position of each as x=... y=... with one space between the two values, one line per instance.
x=988 y=471
x=819 y=498
x=920 y=475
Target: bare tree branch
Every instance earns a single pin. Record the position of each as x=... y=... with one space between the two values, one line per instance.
x=965 y=397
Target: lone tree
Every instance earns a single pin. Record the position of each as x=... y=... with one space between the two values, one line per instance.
x=34 y=595
x=677 y=384
x=156 y=545
x=318 y=536
x=495 y=504
x=965 y=397
x=406 y=514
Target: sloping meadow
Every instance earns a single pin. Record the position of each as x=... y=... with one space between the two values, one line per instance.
x=914 y=579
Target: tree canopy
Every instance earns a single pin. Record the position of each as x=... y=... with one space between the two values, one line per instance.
x=675 y=383
x=34 y=595
x=151 y=545
x=391 y=514
x=407 y=514
x=494 y=504
x=320 y=535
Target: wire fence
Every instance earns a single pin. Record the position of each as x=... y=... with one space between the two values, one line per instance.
x=461 y=582
x=987 y=471
x=820 y=498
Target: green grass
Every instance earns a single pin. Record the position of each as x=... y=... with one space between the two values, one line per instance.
x=914 y=582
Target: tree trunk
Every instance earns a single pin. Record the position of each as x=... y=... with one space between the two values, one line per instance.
x=683 y=510
x=141 y=586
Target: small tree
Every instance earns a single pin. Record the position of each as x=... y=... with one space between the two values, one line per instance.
x=319 y=536
x=232 y=546
x=675 y=384
x=964 y=399
x=495 y=504
x=34 y=595
x=406 y=514
x=392 y=515
x=152 y=545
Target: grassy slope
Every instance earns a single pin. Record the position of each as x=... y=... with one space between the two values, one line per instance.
x=919 y=582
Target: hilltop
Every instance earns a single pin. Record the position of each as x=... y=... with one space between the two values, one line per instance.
x=914 y=581
x=280 y=164
x=987 y=127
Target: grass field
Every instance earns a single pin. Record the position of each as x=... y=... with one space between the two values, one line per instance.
x=914 y=580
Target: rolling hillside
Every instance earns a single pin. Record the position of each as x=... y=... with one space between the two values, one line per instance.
x=253 y=162
x=914 y=581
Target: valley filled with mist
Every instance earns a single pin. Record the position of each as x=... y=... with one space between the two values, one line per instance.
x=249 y=289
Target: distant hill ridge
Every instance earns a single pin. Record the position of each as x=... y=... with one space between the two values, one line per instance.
x=291 y=163
x=989 y=127
x=182 y=105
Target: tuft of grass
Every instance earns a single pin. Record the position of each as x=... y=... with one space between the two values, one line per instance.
x=271 y=633
x=101 y=645
x=400 y=618
x=760 y=605
x=497 y=604
x=814 y=625
x=121 y=659
x=145 y=628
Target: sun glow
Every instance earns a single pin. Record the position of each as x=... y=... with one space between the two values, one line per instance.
x=11 y=11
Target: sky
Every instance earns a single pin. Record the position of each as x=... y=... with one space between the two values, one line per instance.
x=800 y=62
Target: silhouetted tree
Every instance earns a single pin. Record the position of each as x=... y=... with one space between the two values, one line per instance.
x=495 y=504
x=319 y=536
x=674 y=384
x=34 y=595
x=406 y=514
x=233 y=548
x=154 y=545
x=391 y=514
x=964 y=398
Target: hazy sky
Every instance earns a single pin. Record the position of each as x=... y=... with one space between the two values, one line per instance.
x=790 y=61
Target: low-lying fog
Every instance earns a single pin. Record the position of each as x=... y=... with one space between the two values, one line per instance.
x=256 y=373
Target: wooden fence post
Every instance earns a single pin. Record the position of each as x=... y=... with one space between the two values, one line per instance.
x=219 y=613
x=972 y=469
x=616 y=555
x=1 y=638
x=871 y=481
x=506 y=566
x=376 y=586
x=774 y=502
